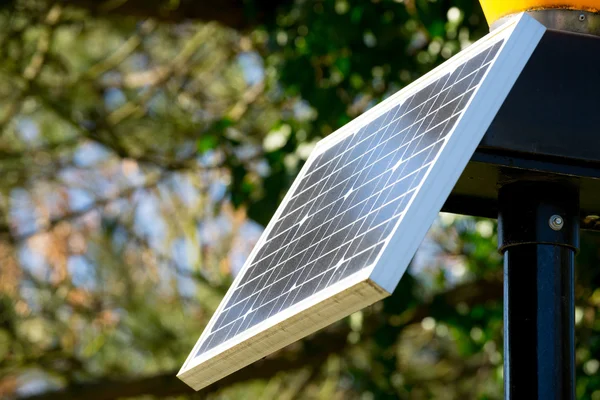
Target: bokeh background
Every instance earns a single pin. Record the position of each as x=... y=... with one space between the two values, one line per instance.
x=144 y=145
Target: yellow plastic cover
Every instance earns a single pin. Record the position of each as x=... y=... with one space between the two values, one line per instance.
x=496 y=9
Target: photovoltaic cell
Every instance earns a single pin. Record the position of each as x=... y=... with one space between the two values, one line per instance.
x=348 y=203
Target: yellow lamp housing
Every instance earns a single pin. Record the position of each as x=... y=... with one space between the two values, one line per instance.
x=573 y=15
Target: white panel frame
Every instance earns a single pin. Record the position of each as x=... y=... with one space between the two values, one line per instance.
x=521 y=36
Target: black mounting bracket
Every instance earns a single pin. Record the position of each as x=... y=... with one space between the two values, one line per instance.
x=547 y=129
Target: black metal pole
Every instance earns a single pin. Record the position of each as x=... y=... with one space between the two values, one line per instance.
x=538 y=227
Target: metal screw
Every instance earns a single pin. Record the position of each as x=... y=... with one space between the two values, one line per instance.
x=582 y=17
x=556 y=222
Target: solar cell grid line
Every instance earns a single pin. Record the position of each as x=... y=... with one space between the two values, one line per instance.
x=448 y=82
x=312 y=278
x=355 y=188
x=420 y=138
x=420 y=120
x=327 y=268
x=244 y=284
x=363 y=201
x=410 y=101
x=237 y=315
x=359 y=138
x=418 y=124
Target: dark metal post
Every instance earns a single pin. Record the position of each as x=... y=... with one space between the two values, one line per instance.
x=538 y=227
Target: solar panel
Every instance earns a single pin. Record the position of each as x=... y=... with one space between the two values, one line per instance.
x=354 y=217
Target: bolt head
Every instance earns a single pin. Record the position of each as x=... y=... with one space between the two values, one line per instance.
x=556 y=222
